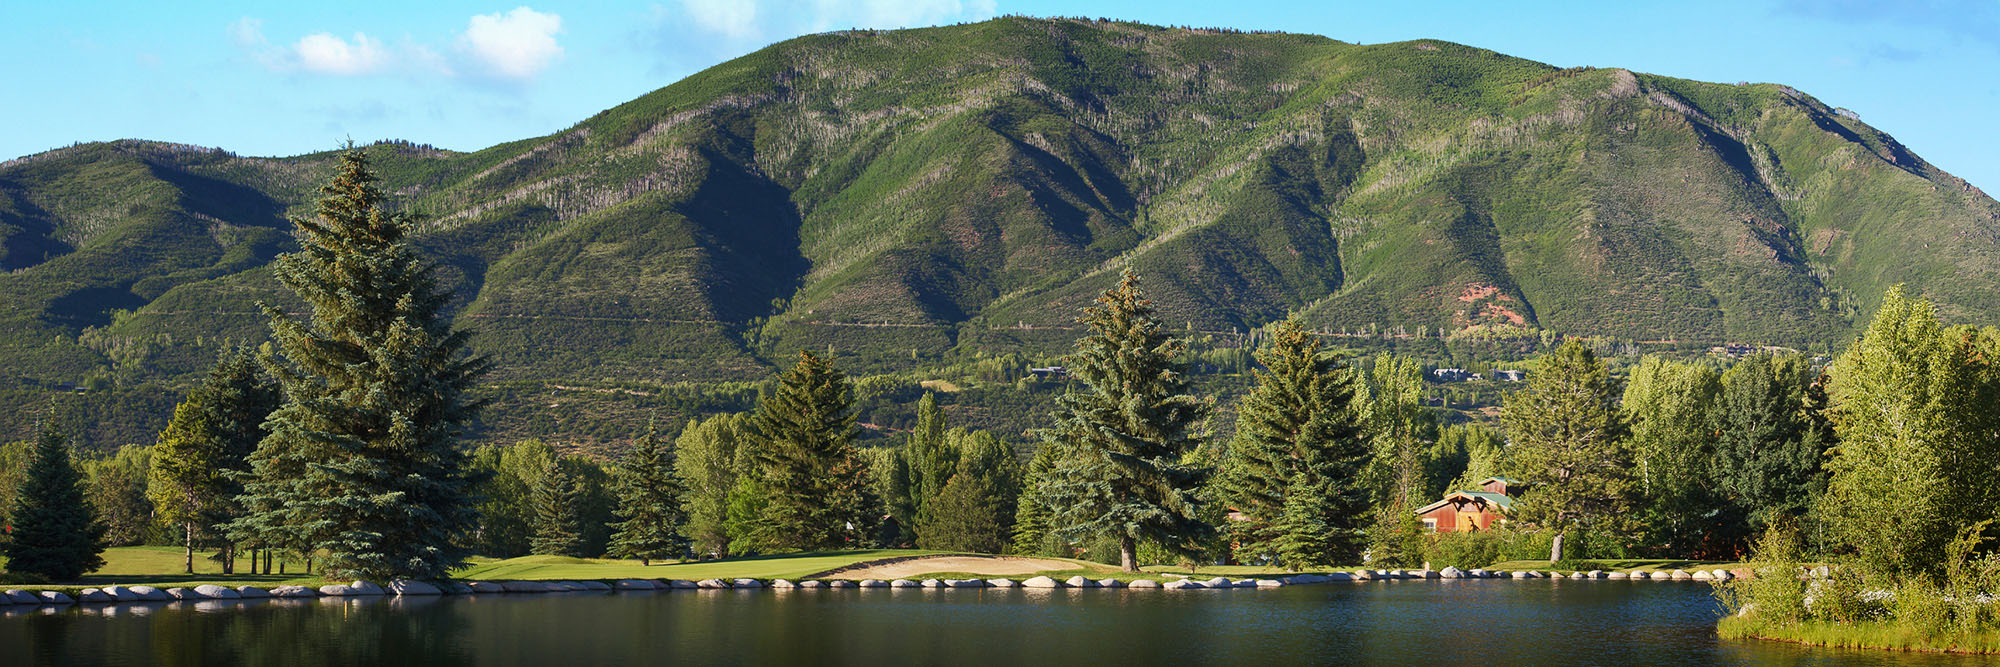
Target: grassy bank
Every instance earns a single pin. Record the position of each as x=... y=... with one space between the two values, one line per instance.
x=1884 y=635
x=1618 y=565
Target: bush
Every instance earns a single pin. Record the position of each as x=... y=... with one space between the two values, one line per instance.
x=1775 y=594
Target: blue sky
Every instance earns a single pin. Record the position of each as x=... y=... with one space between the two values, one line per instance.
x=286 y=78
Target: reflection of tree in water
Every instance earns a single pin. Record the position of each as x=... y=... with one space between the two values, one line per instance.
x=297 y=633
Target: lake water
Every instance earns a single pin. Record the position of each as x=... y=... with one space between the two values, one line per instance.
x=1482 y=622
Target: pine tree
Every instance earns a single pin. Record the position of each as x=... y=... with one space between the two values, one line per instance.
x=816 y=487
x=1295 y=470
x=1032 y=515
x=649 y=504
x=55 y=535
x=974 y=510
x=362 y=460
x=1915 y=407
x=558 y=503
x=1126 y=436
x=1569 y=446
x=203 y=456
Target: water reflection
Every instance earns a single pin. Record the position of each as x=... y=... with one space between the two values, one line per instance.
x=1469 y=622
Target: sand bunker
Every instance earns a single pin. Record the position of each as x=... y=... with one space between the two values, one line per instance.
x=982 y=565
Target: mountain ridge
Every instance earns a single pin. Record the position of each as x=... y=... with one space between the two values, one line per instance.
x=914 y=198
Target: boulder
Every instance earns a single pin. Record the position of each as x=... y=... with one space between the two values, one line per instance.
x=55 y=597
x=1618 y=575
x=1110 y=582
x=1477 y=573
x=682 y=584
x=1267 y=583
x=1143 y=583
x=215 y=592
x=185 y=594
x=1365 y=575
x=459 y=588
x=522 y=586
x=568 y=586
x=151 y=594
x=1080 y=581
x=814 y=584
x=1243 y=583
x=597 y=586
x=966 y=583
x=1450 y=572
x=412 y=587
x=904 y=583
x=329 y=590
x=1182 y=585
x=1594 y=574
x=874 y=583
x=293 y=592
x=1681 y=575
x=931 y=583
x=1578 y=575
x=252 y=592
x=119 y=593
x=1702 y=575
x=1723 y=575
x=95 y=595
x=1217 y=582
x=1339 y=576
x=643 y=585
x=1002 y=583
x=486 y=587
x=782 y=583
x=841 y=583
x=366 y=588
x=1041 y=582
x=712 y=583
x=1429 y=574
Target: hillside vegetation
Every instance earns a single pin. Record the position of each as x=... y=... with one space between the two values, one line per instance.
x=918 y=199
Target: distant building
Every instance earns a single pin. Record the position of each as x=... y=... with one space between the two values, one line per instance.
x=1462 y=511
x=1049 y=373
x=1449 y=375
x=1510 y=375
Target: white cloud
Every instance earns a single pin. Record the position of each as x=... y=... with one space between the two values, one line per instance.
x=247 y=32
x=515 y=45
x=324 y=53
x=697 y=31
x=735 y=18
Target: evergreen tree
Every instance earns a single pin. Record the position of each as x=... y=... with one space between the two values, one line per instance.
x=712 y=454
x=1569 y=446
x=362 y=459
x=649 y=504
x=202 y=457
x=55 y=535
x=817 y=490
x=558 y=503
x=1915 y=409
x=1294 y=473
x=920 y=469
x=1668 y=406
x=1033 y=529
x=1770 y=441
x=1126 y=436
x=974 y=510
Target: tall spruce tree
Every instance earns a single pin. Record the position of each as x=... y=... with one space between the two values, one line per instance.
x=558 y=503
x=975 y=509
x=202 y=458
x=1032 y=521
x=1569 y=446
x=1127 y=436
x=817 y=490
x=55 y=534
x=362 y=460
x=649 y=509
x=1915 y=407
x=1294 y=472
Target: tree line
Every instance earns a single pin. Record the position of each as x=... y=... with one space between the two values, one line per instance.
x=336 y=446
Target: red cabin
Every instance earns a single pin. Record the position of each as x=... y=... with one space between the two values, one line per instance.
x=1471 y=510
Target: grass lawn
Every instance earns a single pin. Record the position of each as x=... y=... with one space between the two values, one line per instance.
x=1887 y=635
x=165 y=567
x=1621 y=564
x=782 y=566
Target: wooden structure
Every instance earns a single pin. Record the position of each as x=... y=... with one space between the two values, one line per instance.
x=1471 y=510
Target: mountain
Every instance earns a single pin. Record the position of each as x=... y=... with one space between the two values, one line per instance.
x=919 y=198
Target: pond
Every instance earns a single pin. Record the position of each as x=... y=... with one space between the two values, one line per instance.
x=1468 y=622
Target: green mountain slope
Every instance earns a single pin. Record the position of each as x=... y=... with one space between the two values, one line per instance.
x=916 y=197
